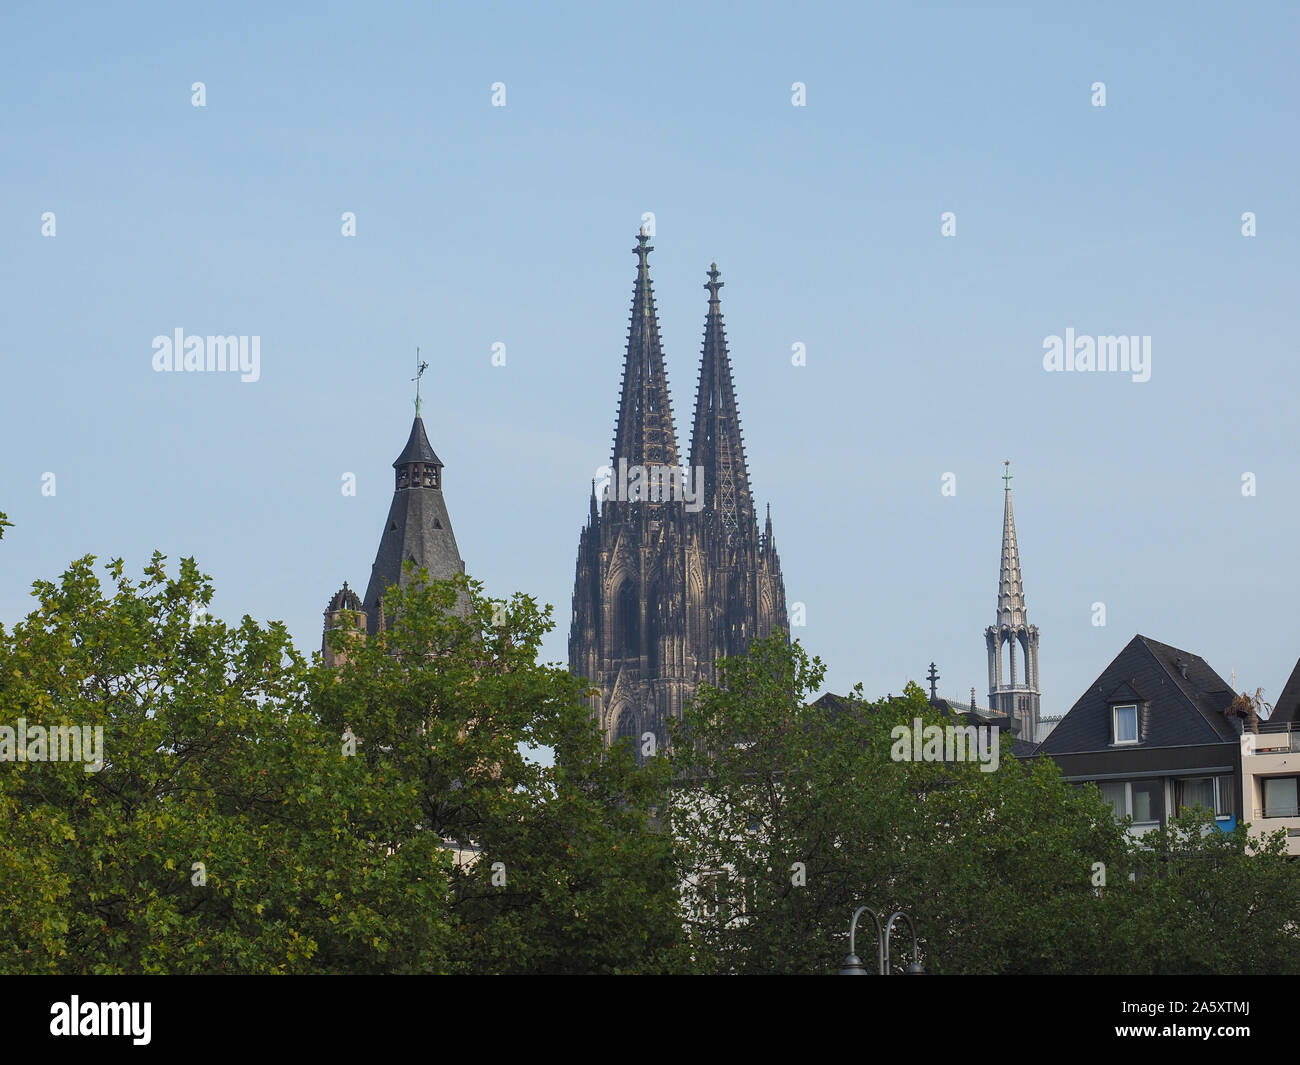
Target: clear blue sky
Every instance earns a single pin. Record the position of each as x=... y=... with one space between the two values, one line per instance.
x=478 y=225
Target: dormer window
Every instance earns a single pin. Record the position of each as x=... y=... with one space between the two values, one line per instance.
x=1124 y=723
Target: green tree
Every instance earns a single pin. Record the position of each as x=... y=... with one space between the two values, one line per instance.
x=802 y=812
x=1206 y=901
x=217 y=836
x=223 y=746
x=563 y=869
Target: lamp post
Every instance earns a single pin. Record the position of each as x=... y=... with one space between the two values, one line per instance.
x=853 y=964
x=914 y=967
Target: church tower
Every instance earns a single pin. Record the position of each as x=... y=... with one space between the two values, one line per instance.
x=418 y=529
x=672 y=572
x=1016 y=697
x=744 y=585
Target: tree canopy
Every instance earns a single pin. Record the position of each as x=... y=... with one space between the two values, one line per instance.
x=232 y=806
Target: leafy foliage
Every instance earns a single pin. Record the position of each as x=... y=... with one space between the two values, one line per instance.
x=255 y=812
x=802 y=812
x=222 y=747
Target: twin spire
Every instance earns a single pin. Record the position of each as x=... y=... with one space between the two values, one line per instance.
x=645 y=434
x=716 y=442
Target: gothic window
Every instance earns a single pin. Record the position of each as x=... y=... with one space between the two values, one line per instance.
x=625 y=727
x=627 y=620
x=653 y=621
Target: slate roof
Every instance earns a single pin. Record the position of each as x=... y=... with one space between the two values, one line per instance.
x=1287 y=707
x=1175 y=711
x=418 y=528
x=418 y=448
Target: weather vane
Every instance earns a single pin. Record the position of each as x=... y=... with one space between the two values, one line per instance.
x=420 y=367
x=1007 y=476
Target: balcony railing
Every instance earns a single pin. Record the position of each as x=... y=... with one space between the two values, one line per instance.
x=1274 y=737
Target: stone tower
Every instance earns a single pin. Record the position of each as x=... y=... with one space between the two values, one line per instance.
x=672 y=572
x=1017 y=698
x=417 y=529
x=345 y=601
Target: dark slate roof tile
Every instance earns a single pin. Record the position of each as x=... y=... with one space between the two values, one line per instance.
x=418 y=448
x=1287 y=707
x=1180 y=711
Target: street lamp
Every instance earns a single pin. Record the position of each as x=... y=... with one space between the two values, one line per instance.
x=914 y=967
x=853 y=964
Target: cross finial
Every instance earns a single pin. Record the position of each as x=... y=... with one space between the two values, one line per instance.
x=934 y=678
x=713 y=284
x=420 y=367
x=1006 y=477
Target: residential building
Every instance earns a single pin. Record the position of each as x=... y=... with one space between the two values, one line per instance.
x=1270 y=768
x=1157 y=734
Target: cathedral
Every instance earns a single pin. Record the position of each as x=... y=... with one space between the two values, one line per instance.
x=672 y=572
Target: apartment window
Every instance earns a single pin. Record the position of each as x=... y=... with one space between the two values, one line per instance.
x=1116 y=793
x=1211 y=793
x=1143 y=800
x=1225 y=796
x=1124 y=723
x=1280 y=797
x=1195 y=792
x=1147 y=804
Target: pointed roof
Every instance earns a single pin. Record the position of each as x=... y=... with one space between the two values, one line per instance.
x=1287 y=707
x=1011 y=589
x=716 y=442
x=418 y=448
x=418 y=528
x=1177 y=710
x=644 y=434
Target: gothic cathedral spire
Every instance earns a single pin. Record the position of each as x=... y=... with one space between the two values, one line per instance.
x=717 y=447
x=644 y=435
x=658 y=600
